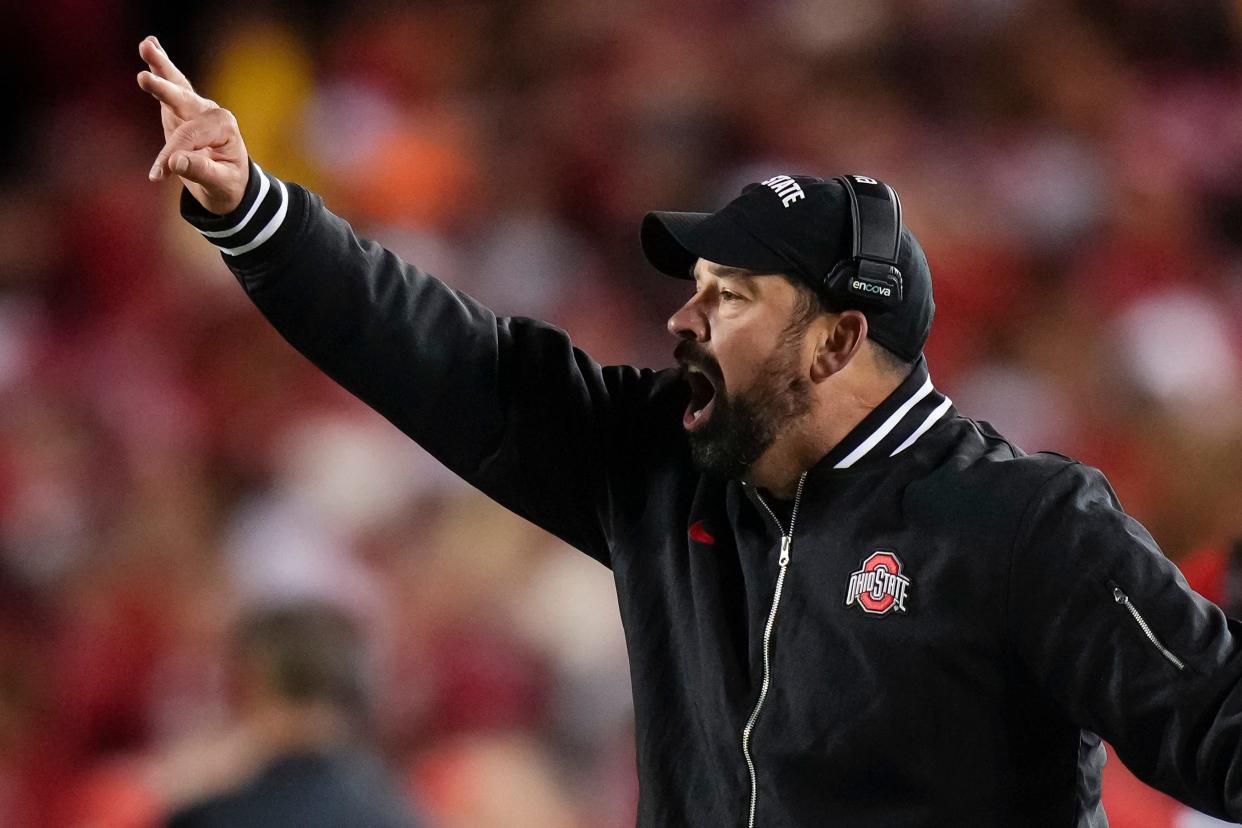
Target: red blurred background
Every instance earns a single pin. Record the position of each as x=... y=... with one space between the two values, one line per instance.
x=1073 y=168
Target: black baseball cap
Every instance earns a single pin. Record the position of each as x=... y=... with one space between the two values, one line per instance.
x=801 y=226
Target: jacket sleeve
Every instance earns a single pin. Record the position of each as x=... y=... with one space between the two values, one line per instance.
x=508 y=404
x=1114 y=634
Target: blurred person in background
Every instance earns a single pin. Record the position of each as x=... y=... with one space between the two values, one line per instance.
x=1064 y=601
x=299 y=753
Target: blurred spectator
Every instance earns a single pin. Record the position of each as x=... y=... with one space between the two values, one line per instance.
x=299 y=753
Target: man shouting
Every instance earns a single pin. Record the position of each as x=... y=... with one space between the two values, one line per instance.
x=845 y=604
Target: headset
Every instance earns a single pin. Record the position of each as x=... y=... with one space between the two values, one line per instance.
x=870 y=275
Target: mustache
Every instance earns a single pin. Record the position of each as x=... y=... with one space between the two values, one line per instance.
x=691 y=353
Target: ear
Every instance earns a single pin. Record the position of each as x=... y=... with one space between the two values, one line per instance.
x=839 y=341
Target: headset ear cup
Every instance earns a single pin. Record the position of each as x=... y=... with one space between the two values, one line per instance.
x=856 y=283
x=838 y=278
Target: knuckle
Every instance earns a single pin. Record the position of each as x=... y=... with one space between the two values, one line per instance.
x=222 y=120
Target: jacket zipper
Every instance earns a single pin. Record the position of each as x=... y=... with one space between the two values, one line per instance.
x=1123 y=599
x=786 y=542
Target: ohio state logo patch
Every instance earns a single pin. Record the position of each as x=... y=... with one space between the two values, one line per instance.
x=878 y=586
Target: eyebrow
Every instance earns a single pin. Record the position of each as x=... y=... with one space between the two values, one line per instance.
x=726 y=272
x=737 y=273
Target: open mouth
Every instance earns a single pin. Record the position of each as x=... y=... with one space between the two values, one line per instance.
x=702 y=399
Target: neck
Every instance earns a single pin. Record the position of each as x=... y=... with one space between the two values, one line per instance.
x=306 y=727
x=844 y=402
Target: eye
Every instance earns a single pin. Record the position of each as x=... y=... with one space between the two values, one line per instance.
x=729 y=296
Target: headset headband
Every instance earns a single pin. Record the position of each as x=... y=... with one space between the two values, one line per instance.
x=870 y=274
x=876 y=211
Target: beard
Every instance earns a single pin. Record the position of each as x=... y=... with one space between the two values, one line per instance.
x=744 y=424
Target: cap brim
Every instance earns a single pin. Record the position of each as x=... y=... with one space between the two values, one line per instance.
x=673 y=242
x=662 y=235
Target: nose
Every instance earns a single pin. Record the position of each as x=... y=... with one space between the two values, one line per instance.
x=689 y=321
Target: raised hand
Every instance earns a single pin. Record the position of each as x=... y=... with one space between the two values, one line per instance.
x=202 y=142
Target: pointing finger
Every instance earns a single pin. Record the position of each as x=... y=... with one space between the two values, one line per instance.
x=183 y=101
x=153 y=53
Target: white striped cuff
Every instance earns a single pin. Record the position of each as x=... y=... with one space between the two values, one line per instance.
x=260 y=215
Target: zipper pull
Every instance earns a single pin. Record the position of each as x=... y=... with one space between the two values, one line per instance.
x=786 y=540
x=1119 y=596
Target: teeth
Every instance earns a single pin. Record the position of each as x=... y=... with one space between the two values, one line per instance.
x=697 y=414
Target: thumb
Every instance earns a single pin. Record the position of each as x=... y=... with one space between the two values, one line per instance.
x=193 y=167
x=216 y=185
x=199 y=168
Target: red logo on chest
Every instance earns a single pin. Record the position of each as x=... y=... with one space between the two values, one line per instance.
x=878 y=586
x=698 y=532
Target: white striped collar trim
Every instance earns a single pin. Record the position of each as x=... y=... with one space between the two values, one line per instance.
x=936 y=414
x=888 y=425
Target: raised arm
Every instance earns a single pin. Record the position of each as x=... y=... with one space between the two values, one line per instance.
x=508 y=404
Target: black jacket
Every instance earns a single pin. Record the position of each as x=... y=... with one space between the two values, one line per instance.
x=958 y=622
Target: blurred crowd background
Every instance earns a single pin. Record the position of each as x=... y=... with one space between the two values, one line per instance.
x=168 y=463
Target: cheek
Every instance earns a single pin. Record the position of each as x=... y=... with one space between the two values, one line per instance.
x=770 y=361
x=741 y=358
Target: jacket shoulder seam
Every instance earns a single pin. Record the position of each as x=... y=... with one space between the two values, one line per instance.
x=1013 y=449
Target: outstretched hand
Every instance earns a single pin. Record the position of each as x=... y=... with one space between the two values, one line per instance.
x=202 y=142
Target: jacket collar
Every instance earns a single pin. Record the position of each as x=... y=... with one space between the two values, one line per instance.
x=893 y=426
